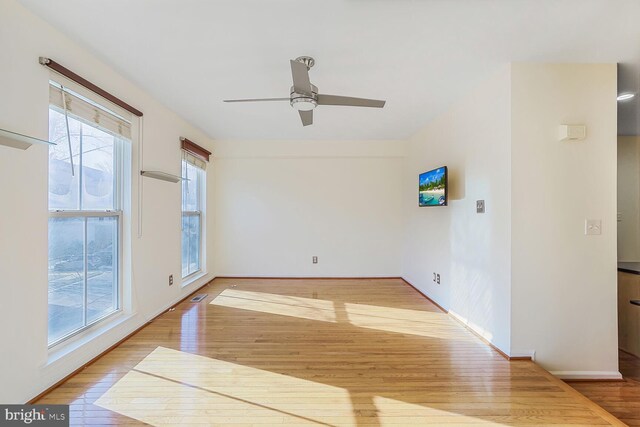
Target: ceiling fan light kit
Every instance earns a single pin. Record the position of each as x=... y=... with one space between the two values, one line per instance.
x=304 y=101
x=304 y=96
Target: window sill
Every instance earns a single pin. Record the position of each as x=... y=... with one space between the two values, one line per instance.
x=192 y=278
x=64 y=348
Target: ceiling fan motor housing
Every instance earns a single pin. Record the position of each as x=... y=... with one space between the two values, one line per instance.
x=304 y=101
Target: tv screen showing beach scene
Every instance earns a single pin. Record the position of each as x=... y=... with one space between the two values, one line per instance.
x=432 y=188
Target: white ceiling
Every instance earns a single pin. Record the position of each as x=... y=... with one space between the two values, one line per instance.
x=419 y=55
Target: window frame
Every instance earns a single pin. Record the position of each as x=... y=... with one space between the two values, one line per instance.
x=118 y=300
x=117 y=212
x=199 y=212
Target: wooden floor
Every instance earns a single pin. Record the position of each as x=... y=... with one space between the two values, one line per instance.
x=318 y=352
x=621 y=398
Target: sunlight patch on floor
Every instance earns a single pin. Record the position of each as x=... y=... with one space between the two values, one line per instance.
x=389 y=319
x=378 y=356
x=403 y=321
x=170 y=387
x=284 y=305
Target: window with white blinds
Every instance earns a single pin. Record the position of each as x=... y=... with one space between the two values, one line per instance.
x=83 y=109
x=87 y=171
x=195 y=161
x=193 y=173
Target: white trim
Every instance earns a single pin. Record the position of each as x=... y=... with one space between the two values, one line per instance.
x=486 y=335
x=587 y=375
x=118 y=262
x=85 y=336
x=524 y=353
x=75 y=353
x=89 y=214
x=199 y=213
x=139 y=159
x=192 y=278
x=120 y=148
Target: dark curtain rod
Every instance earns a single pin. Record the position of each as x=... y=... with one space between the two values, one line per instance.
x=86 y=83
x=195 y=149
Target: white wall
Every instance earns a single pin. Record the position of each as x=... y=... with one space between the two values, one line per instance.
x=629 y=198
x=563 y=282
x=27 y=368
x=281 y=202
x=522 y=274
x=470 y=251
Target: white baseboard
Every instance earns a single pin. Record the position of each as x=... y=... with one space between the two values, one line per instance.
x=67 y=362
x=482 y=333
x=531 y=354
x=588 y=375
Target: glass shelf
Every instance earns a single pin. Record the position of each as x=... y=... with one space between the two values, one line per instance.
x=17 y=140
x=161 y=176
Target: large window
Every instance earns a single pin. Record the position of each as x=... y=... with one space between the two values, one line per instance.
x=85 y=212
x=192 y=206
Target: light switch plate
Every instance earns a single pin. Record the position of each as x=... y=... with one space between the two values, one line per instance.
x=592 y=227
x=572 y=132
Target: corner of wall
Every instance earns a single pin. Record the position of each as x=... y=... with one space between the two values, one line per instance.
x=470 y=251
x=562 y=280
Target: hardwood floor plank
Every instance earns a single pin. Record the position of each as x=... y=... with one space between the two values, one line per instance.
x=315 y=352
x=621 y=398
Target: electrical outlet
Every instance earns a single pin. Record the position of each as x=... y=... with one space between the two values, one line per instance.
x=314 y=259
x=434 y=277
x=479 y=206
x=170 y=279
x=438 y=279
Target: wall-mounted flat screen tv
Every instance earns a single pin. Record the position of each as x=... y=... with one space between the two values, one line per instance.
x=432 y=187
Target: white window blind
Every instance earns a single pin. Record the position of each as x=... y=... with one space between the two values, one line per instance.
x=193 y=160
x=86 y=110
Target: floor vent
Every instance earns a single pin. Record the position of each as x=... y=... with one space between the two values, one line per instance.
x=198 y=298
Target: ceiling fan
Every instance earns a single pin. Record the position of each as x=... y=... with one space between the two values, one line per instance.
x=304 y=96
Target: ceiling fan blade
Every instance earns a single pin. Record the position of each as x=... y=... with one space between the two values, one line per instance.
x=349 y=101
x=256 y=100
x=307 y=117
x=300 y=74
